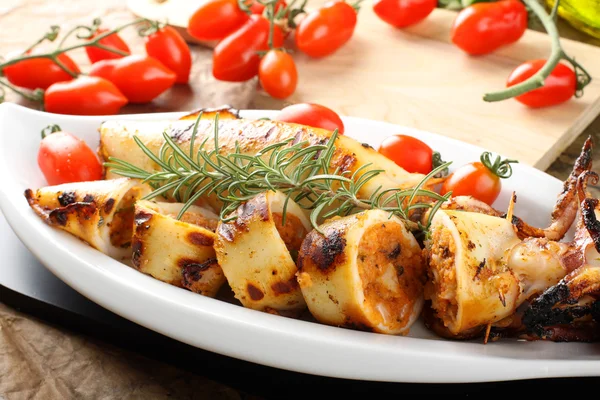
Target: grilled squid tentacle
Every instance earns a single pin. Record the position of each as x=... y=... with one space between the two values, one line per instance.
x=98 y=212
x=179 y=252
x=365 y=271
x=577 y=295
x=257 y=252
x=566 y=206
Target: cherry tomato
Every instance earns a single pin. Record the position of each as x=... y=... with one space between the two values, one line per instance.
x=168 y=47
x=139 y=78
x=258 y=8
x=235 y=59
x=40 y=73
x=277 y=74
x=96 y=54
x=408 y=152
x=325 y=30
x=216 y=19
x=313 y=115
x=558 y=87
x=401 y=13
x=64 y=158
x=483 y=27
x=479 y=179
x=86 y=95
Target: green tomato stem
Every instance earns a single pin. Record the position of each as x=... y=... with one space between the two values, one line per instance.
x=557 y=53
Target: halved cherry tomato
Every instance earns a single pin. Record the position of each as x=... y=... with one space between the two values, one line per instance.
x=277 y=74
x=216 y=19
x=325 y=30
x=258 y=8
x=479 y=179
x=401 y=13
x=168 y=47
x=408 y=152
x=314 y=115
x=558 y=87
x=236 y=58
x=86 y=95
x=96 y=54
x=40 y=73
x=139 y=78
x=483 y=27
x=64 y=158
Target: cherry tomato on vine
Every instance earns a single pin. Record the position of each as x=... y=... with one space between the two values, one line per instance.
x=168 y=47
x=314 y=115
x=64 y=158
x=139 y=78
x=96 y=54
x=40 y=73
x=258 y=8
x=86 y=95
x=409 y=153
x=483 y=27
x=325 y=30
x=216 y=19
x=401 y=13
x=479 y=179
x=236 y=58
x=558 y=87
x=277 y=74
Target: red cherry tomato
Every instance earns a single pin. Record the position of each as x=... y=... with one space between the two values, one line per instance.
x=64 y=158
x=86 y=95
x=313 y=115
x=258 y=8
x=39 y=73
x=216 y=19
x=235 y=59
x=558 y=87
x=103 y=68
x=408 y=152
x=401 y=13
x=96 y=54
x=168 y=47
x=325 y=30
x=139 y=78
x=483 y=27
x=479 y=179
x=277 y=74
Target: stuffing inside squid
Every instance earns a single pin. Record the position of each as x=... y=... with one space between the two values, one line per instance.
x=480 y=271
x=570 y=310
x=257 y=252
x=364 y=271
x=179 y=252
x=98 y=212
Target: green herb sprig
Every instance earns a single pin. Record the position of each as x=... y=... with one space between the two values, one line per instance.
x=301 y=171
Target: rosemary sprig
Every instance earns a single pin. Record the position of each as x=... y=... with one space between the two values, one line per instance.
x=301 y=171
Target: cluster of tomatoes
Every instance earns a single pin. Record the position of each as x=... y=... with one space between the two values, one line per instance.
x=116 y=77
x=251 y=36
x=482 y=28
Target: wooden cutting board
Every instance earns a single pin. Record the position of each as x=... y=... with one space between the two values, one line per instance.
x=417 y=78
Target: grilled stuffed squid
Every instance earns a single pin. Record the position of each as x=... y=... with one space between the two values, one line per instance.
x=365 y=271
x=480 y=271
x=179 y=252
x=257 y=252
x=98 y=212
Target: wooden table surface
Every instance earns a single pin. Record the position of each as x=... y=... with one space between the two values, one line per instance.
x=31 y=371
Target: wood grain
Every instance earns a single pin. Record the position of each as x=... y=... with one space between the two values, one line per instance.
x=416 y=77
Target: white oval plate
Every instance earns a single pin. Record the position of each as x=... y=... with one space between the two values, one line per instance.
x=263 y=338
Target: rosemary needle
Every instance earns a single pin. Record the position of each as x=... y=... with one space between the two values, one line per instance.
x=301 y=171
